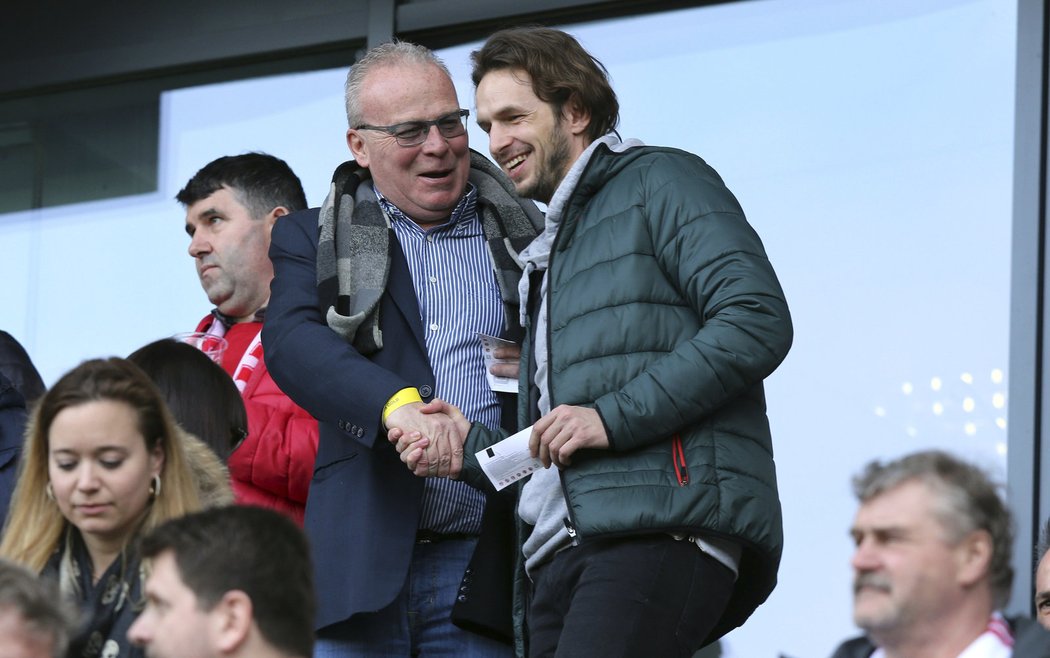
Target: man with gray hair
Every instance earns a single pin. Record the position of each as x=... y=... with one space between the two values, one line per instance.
x=34 y=623
x=932 y=561
x=377 y=303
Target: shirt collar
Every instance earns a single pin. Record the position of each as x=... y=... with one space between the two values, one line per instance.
x=464 y=211
x=228 y=321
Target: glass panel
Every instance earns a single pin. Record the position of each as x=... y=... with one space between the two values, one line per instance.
x=78 y=146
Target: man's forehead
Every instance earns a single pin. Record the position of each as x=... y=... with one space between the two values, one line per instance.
x=1042 y=574
x=164 y=571
x=909 y=504
x=407 y=91
x=222 y=201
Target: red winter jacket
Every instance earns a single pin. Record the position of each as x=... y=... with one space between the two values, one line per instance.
x=274 y=464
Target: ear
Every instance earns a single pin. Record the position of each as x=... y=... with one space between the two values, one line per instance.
x=576 y=117
x=156 y=458
x=231 y=621
x=358 y=147
x=973 y=558
x=271 y=217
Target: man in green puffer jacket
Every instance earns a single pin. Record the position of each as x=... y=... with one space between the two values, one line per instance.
x=653 y=316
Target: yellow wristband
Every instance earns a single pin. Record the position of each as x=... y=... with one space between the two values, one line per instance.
x=400 y=399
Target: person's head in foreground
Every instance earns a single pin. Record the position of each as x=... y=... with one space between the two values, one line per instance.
x=231 y=581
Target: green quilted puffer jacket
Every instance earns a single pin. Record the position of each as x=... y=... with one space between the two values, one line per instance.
x=665 y=315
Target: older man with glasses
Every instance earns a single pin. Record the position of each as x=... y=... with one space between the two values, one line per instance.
x=377 y=304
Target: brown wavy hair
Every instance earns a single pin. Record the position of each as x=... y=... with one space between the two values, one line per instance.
x=561 y=70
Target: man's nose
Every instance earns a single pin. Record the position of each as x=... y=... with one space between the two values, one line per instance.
x=435 y=141
x=499 y=139
x=199 y=245
x=865 y=556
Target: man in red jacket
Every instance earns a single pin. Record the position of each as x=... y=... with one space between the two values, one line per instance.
x=231 y=206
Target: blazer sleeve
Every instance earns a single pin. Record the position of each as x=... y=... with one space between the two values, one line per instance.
x=312 y=364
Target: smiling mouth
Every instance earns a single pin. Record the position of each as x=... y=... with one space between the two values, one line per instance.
x=436 y=174
x=515 y=162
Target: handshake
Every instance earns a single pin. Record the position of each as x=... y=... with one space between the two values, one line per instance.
x=430 y=437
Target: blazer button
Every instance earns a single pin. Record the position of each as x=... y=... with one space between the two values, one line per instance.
x=360 y=432
x=425 y=391
x=342 y=425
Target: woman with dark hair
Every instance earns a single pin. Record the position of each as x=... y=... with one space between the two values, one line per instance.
x=207 y=408
x=102 y=464
x=201 y=396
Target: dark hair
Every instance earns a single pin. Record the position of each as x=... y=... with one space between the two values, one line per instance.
x=261 y=182
x=253 y=550
x=16 y=365
x=200 y=394
x=561 y=70
x=1043 y=546
x=966 y=500
x=38 y=603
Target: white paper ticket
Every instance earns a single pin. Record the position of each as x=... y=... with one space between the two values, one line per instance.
x=509 y=460
x=499 y=384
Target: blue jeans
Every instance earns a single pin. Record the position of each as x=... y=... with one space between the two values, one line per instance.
x=417 y=622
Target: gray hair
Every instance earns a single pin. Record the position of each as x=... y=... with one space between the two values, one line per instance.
x=385 y=54
x=39 y=604
x=966 y=500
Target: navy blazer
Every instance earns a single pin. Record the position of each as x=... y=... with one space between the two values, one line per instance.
x=364 y=505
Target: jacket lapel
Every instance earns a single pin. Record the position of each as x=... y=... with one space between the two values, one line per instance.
x=399 y=287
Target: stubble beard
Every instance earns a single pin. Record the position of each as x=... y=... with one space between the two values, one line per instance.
x=552 y=170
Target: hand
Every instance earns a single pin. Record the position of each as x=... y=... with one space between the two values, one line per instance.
x=563 y=431
x=435 y=434
x=511 y=354
x=411 y=446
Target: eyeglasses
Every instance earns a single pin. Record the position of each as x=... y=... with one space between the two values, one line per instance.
x=414 y=133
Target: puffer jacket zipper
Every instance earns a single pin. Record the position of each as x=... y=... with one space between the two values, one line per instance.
x=681 y=470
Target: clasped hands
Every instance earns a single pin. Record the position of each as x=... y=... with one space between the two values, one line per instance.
x=429 y=437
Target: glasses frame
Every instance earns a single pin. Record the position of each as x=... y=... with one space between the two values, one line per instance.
x=392 y=130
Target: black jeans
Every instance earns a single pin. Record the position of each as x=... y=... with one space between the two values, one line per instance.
x=648 y=595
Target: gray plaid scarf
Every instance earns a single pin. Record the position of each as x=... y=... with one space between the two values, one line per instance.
x=353 y=250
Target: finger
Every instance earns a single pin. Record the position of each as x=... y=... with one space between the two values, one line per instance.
x=413 y=459
x=420 y=442
x=545 y=452
x=444 y=464
x=435 y=406
x=457 y=462
x=535 y=439
x=562 y=451
x=507 y=352
x=509 y=370
x=408 y=439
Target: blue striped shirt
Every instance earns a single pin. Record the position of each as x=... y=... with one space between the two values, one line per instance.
x=458 y=297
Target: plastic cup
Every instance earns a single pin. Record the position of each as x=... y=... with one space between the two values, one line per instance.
x=213 y=346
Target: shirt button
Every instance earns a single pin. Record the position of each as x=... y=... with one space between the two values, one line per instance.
x=433 y=326
x=433 y=279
